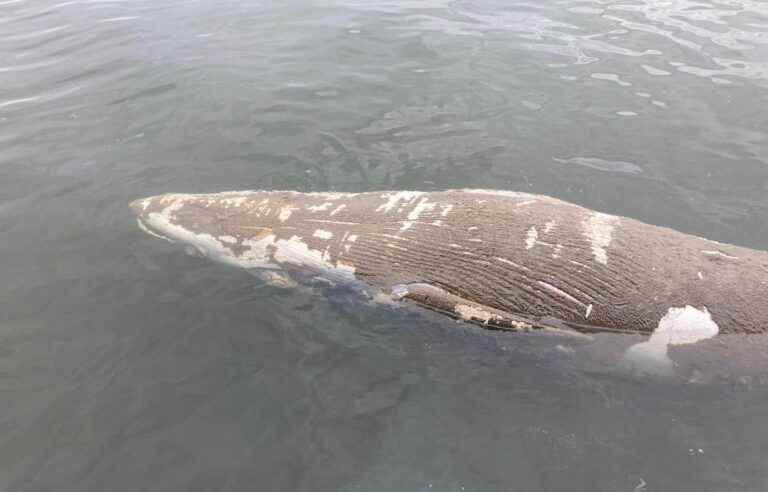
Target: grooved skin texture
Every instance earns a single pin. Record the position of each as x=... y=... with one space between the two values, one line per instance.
x=529 y=255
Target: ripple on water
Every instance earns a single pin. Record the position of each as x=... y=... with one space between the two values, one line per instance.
x=604 y=165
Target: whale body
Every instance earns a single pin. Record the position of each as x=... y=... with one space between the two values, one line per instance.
x=503 y=260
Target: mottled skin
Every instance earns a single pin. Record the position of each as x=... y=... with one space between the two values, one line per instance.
x=506 y=260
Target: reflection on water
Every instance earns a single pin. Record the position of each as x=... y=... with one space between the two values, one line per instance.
x=125 y=364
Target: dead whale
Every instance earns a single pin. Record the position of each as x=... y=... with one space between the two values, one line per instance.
x=500 y=259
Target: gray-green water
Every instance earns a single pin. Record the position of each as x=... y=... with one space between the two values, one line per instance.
x=125 y=365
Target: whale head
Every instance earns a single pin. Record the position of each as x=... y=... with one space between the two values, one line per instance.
x=250 y=229
x=202 y=225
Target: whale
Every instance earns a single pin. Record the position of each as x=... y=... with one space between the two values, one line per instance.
x=502 y=260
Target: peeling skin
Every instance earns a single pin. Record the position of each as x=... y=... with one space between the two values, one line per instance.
x=680 y=326
x=392 y=199
x=473 y=313
x=296 y=252
x=285 y=213
x=512 y=263
x=276 y=279
x=598 y=228
x=720 y=254
x=504 y=193
x=530 y=239
x=320 y=208
x=422 y=206
x=262 y=251
x=482 y=249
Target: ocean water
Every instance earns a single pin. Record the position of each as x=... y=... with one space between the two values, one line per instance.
x=127 y=365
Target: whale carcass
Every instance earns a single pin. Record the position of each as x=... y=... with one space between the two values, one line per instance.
x=500 y=259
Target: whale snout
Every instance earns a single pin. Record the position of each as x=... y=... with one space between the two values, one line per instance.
x=170 y=216
x=139 y=206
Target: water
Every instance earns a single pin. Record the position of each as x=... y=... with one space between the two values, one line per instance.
x=125 y=365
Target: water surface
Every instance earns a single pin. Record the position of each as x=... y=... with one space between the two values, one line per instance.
x=126 y=365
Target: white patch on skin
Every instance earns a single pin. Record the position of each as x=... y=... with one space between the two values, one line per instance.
x=267 y=252
x=721 y=254
x=228 y=239
x=285 y=213
x=469 y=313
x=589 y=311
x=277 y=279
x=349 y=269
x=394 y=198
x=320 y=208
x=556 y=252
x=446 y=209
x=454 y=245
x=407 y=224
x=508 y=262
x=352 y=238
x=235 y=202
x=475 y=240
x=686 y=325
x=395 y=246
x=257 y=254
x=548 y=226
x=399 y=291
x=203 y=242
x=701 y=276
x=337 y=209
x=151 y=233
x=437 y=223
x=325 y=194
x=505 y=193
x=680 y=326
x=322 y=234
x=560 y=292
x=473 y=228
x=296 y=252
x=598 y=229
x=325 y=221
x=249 y=193
x=531 y=237
x=420 y=207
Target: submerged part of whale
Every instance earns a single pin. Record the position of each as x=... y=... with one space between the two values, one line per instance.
x=504 y=260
